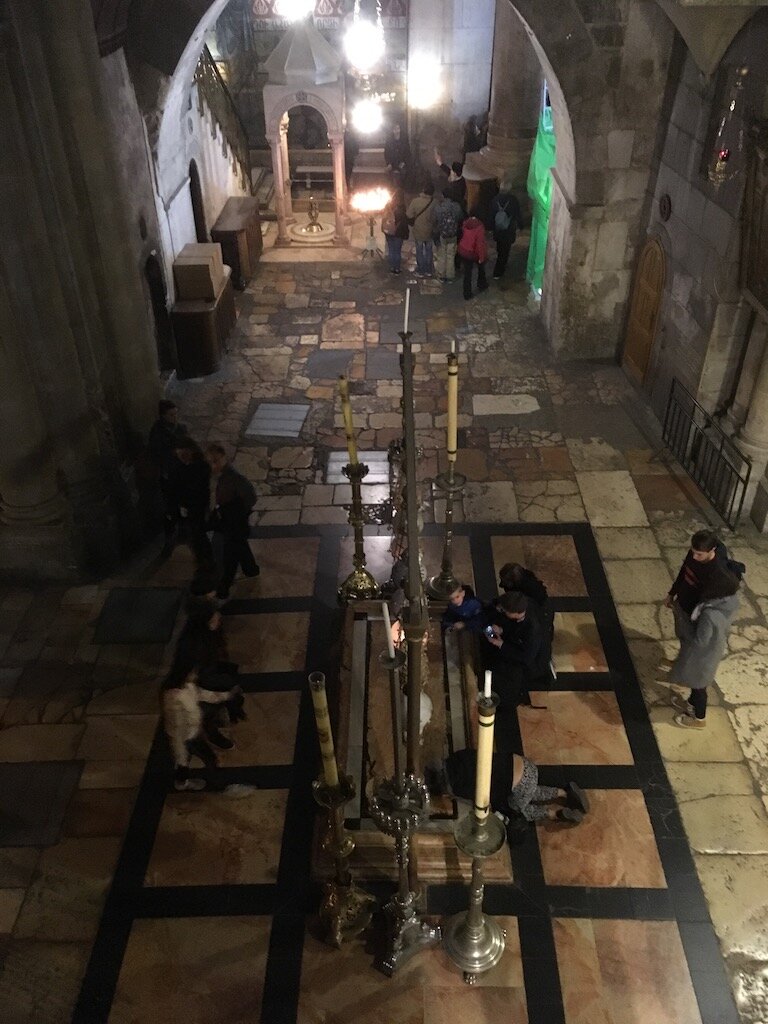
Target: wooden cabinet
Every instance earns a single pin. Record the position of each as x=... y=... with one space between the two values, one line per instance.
x=238 y=231
x=201 y=329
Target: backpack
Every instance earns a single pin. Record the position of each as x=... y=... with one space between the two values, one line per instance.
x=388 y=225
x=447 y=220
x=502 y=221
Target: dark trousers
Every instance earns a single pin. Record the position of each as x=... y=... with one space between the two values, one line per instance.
x=235 y=552
x=698 y=701
x=503 y=246
x=482 y=283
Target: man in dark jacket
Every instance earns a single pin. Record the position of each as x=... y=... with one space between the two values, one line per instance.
x=506 y=218
x=516 y=653
x=188 y=488
x=706 y=550
x=234 y=501
x=164 y=433
x=397 y=154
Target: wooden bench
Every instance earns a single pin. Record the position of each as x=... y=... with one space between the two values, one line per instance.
x=317 y=171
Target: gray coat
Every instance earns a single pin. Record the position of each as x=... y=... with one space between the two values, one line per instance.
x=702 y=641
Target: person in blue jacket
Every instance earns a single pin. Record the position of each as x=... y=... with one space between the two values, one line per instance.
x=464 y=611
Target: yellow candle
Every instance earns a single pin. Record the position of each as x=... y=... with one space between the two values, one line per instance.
x=349 y=428
x=453 y=406
x=486 y=718
x=323 y=723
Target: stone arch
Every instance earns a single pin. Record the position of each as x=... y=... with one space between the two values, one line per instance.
x=281 y=105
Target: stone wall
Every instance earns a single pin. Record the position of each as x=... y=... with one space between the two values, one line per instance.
x=702 y=326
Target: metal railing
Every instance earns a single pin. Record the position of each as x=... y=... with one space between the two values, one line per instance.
x=709 y=457
x=212 y=92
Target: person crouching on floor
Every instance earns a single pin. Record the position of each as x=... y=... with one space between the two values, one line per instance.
x=455 y=777
x=464 y=611
x=183 y=721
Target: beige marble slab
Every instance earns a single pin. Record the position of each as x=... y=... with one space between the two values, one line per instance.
x=576 y=646
x=218 y=839
x=743 y=677
x=549 y=501
x=493 y=502
x=639 y=581
x=268 y=642
x=646 y=621
x=117 y=737
x=40 y=981
x=268 y=735
x=626 y=542
x=206 y=970
x=726 y=824
x=288 y=566
x=716 y=743
x=40 y=742
x=750 y=725
x=578 y=728
x=594 y=454
x=10 y=905
x=610 y=499
x=736 y=889
x=694 y=780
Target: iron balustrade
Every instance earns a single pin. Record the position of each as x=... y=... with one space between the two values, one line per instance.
x=213 y=92
x=709 y=456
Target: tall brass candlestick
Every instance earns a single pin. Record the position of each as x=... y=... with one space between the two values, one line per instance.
x=451 y=484
x=349 y=427
x=360 y=584
x=474 y=942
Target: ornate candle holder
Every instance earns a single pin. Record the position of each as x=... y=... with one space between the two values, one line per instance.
x=474 y=942
x=451 y=484
x=345 y=910
x=399 y=806
x=359 y=585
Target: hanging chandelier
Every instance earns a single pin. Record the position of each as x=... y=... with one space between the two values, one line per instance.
x=727 y=156
x=364 y=40
x=294 y=10
x=367 y=116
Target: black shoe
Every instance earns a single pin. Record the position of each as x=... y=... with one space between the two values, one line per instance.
x=254 y=572
x=570 y=814
x=218 y=739
x=577 y=798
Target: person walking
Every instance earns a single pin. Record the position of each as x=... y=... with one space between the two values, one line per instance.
x=233 y=504
x=163 y=435
x=188 y=488
x=506 y=218
x=421 y=217
x=703 y=638
x=448 y=217
x=394 y=225
x=473 y=251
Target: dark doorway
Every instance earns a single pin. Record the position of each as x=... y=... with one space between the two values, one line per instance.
x=158 y=296
x=198 y=209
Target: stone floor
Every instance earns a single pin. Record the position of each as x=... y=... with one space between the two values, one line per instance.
x=541 y=442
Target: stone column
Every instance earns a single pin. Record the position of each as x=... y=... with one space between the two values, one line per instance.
x=286 y=168
x=516 y=90
x=337 y=147
x=737 y=414
x=283 y=238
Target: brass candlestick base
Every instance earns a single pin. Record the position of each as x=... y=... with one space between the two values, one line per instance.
x=398 y=807
x=359 y=585
x=440 y=587
x=345 y=910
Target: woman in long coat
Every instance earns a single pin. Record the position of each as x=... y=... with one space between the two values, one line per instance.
x=703 y=637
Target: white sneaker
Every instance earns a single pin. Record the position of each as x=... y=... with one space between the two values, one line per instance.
x=193 y=785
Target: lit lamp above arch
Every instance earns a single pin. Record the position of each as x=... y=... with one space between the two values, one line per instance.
x=364 y=41
x=294 y=10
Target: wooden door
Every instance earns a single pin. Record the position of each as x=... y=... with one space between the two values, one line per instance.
x=644 y=309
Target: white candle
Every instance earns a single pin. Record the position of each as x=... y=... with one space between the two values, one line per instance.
x=485 y=723
x=453 y=346
x=487 y=689
x=407 y=307
x=388 y=630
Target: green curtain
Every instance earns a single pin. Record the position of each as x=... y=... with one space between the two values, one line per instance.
x=540 y=192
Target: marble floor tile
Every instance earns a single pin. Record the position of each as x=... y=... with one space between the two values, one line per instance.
x=624 y=972
x=662 y=493
x=716 y=743
x=432 y=550
x=549 y=501
x=40 y=742
x=114 y=737
x=66 y=896
x=576 y=646
x=626 y=542
x=135 y=699
x=378 y=557
x=610 y=499
x=726 y=824
x=288 y=566
x=218 y=839
x=613 y=846
x=640 y=580
x=742 y=677
x=750 y=724
x=553 y=559
x=269 y=641
x=204 y=970
x=736 y=889
x=694 y=780
x=111 y=774
x=10 y=904
x=646 y=621
x=268 y=735
x=481 y=1006
x=99 y=812
x=594 y=455
x=490 y=502
x=578 y=728
x=40 y=981
x=17 y=865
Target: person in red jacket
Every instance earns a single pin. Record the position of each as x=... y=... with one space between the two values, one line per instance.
x=473 y=251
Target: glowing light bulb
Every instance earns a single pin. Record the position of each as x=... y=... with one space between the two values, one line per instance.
x=424 y=86
x=367 y=116
x=294 y=10
x=364 y=44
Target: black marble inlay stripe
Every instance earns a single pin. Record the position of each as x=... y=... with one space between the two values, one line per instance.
x=205 y=901
x=264 y=605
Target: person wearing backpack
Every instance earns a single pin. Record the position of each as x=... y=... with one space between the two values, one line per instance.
x=448 y=217
x=473 y=251
x=234 y=501
x=394 y=226
x=421 y=217
x=506 y=218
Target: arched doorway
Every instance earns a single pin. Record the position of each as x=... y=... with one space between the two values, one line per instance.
x=644 y=308
x=198 y=207
x=158 y=296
